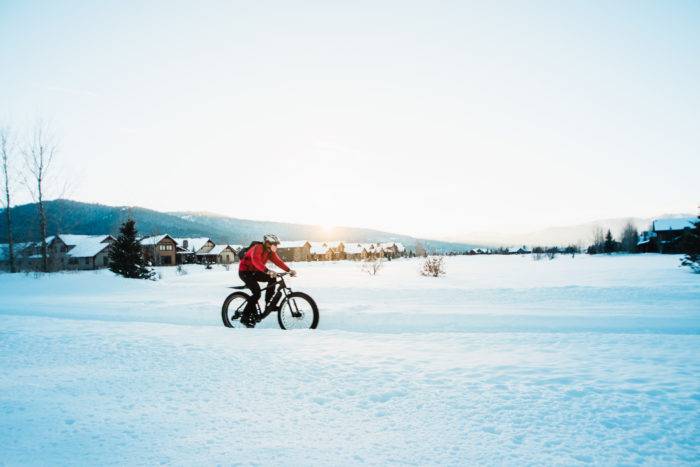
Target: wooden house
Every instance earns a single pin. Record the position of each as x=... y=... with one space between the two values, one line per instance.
x=159 y=250
x=665 y=234
x=87 y=251
x=189 y=248
x=294 y=251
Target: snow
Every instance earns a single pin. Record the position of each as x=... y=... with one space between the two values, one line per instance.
x=217 y=250
x=674 y=224
x=319 y=250
x=154 y=240
x=293 y=244
x=353 y=248
x=504 y=360
x=86 y=246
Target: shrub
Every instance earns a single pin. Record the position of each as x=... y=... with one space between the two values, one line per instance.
x=372 y=266
x=433 y=266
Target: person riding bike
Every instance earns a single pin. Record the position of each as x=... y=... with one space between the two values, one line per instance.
x=253 y=269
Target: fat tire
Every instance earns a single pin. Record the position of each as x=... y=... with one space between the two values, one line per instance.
x=224 y=307
x=303 y=296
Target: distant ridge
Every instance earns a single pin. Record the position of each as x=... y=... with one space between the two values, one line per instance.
x=67 y=216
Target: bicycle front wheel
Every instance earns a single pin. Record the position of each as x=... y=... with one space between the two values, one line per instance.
x=299 y=311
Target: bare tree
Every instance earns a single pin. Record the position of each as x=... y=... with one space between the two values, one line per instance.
x=598 y=245
x=6 y=150
x=629 y=239
x=39 y=152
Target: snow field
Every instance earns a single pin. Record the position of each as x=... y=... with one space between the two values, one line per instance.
x=504 y=361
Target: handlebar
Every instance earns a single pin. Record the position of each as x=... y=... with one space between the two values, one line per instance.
x=282 y=274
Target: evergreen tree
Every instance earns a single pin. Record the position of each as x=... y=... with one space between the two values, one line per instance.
x=610 y=245
x=125 y=254
x=690 y=243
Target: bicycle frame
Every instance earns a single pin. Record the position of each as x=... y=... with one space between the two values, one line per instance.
x=279 y=287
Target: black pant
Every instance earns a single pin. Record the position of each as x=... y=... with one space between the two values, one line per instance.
x=251 y=279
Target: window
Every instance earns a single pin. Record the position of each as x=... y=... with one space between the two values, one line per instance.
x=87 y=261
x=165 y=247
x=73 y=261
x=105 y=261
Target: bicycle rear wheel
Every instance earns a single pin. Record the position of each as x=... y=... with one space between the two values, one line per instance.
x=232 y=309
x=298 y=311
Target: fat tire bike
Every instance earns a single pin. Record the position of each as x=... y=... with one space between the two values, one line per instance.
x=295 y=310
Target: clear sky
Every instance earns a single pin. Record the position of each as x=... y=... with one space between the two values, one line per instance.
x=426 y=118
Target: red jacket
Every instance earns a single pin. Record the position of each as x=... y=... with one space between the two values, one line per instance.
x=256 y=258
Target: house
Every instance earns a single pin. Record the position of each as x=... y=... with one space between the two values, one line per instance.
x=65 y=251
x=374 y=250
x=223 y=254
x=188 y=248
x=333 y=250
x=87 y=251
x=294 y=251
x=665 y=234
x=518 y=250
x=320 y=251
x=56 y=250
x=355 y=251
x=159 y=250
x=392 y=249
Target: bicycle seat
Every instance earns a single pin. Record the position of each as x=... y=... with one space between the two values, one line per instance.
x=239 y=287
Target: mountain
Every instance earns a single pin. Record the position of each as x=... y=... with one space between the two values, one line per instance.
x=564 y=235
x=66 y=216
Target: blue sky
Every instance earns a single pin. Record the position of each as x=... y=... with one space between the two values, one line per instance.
x=428 y=118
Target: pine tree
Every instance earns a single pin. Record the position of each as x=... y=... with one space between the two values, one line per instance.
x=610 y=245
x=690 y=243
x=125 y=254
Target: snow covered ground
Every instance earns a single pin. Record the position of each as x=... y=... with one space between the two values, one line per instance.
x=505 y=360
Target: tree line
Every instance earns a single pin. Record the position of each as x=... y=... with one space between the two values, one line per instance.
x=605 y=242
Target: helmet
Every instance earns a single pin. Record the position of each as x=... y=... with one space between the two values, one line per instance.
x=271 y=238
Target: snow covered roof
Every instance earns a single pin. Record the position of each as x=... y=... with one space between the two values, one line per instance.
x=86 y=246
x=218 y=249
x=71 y=239
x=153 y=240
x=293 y=244
x=193 y=243
x=674 y=224
x=353 y=248
x=319 y=249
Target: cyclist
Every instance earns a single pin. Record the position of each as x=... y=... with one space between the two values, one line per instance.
x=253 y=269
